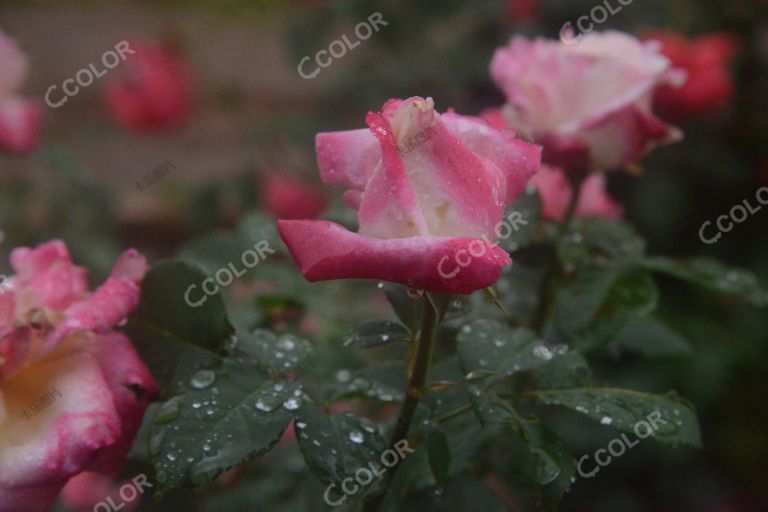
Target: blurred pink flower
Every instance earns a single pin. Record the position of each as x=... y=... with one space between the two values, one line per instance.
x=587 y=101
x=73 y=390
x=708 y=86
x=556 y=193
x=428 y=187
x=19 y=117
x=522 y=10
x=154 y=91
x=286 y=197
x=87 y=489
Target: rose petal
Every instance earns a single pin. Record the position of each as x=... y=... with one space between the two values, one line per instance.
x=324 y=250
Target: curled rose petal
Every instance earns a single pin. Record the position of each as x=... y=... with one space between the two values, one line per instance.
x=324 y=250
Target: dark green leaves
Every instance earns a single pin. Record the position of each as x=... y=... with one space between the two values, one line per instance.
x=651 y=337
x=713 y=275
x=283 y=354
x=492 y=348
x=521 y=219
x=174 y=338
x=385 y=382
x=623 y=409
x=227 y=415
x=599 y=242
x=337 y=446
x=439 y=454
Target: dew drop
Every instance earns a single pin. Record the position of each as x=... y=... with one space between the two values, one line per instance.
x=203 y=379
x=356 y=436
x=542 y=352
x=286 y=344
x=291 y=404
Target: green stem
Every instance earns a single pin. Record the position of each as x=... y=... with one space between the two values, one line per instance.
x=576 y=179
x=417 y=383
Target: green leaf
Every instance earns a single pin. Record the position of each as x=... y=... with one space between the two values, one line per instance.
x=713 y=275
x=284 y=354
x=227 y=415
x=257 y=226
x=550 y=463
x=651 y=337
x=567 y=371
x=216 y=250
x=549 y=452
x=174 y=339
x=599 y=242
x=493 y=348
x=406 y=309
x=579 y=302
x=624 y=409
x=439 y=454
x=595 y=305
x=334 y=447
x=385 y=382
x=521 y=220
x=376 y=333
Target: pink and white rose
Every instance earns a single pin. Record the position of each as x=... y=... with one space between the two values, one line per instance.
x=588 y=104
x=73 y=390
x=19 y=116
x=426 y=186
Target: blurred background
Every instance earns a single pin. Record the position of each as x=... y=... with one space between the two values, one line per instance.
x=115 y=167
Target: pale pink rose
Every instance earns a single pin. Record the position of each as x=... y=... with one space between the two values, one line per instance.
x=556 y=194
x=588 y=103
x=73 y=390
x=427 y=186
x=19 y=117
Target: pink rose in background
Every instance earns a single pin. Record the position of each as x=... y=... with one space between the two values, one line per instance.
x=708 y=86
x=285 y=197
x=427 y=187
x=88 y=489
x=73 y=390
x=19 y=117
x=589 y=102
x=522 y=10
x=154 y=91
x=556 y=193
